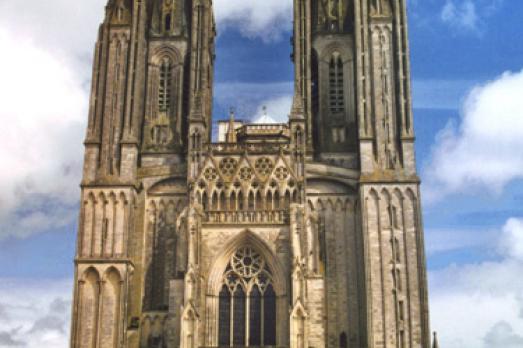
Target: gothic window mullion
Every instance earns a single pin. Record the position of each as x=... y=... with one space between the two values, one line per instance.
x=336 y=84
x=247 y=302
x=165 y=86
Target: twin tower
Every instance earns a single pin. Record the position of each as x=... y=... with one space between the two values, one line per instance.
x=306 y=234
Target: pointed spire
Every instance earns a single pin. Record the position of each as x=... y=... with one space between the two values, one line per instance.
x=297 y=107
x=435 y=343
x=231 y=132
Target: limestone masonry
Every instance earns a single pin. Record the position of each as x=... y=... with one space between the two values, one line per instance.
x=306 y=234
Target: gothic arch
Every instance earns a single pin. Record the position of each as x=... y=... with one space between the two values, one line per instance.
x=110 y=308
x=168 y=52
x=89 y=299
x=220 y=262
x=381 y=8
x=344 y=51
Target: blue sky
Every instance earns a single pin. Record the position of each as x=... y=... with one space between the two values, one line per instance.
x=467 y=72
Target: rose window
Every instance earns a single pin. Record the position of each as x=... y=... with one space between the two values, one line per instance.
x=281 y=173
x=247 y=262
x=264 y=166
x=228 y=166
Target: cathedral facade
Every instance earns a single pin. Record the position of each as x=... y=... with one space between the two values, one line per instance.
x=306 y=234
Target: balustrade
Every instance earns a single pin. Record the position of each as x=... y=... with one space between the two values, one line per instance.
x=247 y=217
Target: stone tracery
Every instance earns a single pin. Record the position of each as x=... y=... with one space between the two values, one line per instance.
x=247 y=301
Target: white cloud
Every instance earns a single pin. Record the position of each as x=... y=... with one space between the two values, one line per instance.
x=278 y=109
x=463 y=15
x=66 y=29
x=484 y=150
x=267 y=19
x=512 y=241
x=45 y=70
x=43 y=112
x=248 y=98
x=481 y=305
x=502 y=336
x=35 y=313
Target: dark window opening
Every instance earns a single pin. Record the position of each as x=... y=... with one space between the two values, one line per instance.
x=336 y=98
x=168 y=23
x=269 y=311
x=239 y=317
x=165 y=86
x=225 y=317
x=255 y=320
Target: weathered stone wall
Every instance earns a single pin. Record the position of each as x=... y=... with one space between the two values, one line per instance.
x=394 y=261
x=329 y=200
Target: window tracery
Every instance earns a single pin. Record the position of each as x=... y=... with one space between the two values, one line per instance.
x=228 y=166
x=336 y=99
x=165 y=86
x=247 y=288
x=210 y=174
x=264 y=166
x=246 y=173
x=281 y=173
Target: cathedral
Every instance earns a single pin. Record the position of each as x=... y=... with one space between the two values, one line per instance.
x=305 y=234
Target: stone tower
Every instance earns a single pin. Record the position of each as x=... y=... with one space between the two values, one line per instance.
x=303 y=234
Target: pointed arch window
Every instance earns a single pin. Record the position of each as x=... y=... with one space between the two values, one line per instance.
x=165 y=86
x=336 y=91
x=247 y=302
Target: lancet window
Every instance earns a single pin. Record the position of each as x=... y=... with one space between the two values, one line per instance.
x=336 y=99
x=247 y=302
x=165 y=86
x=167 y=22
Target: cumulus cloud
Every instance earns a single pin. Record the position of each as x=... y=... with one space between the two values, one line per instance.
x=267 y=19
x=35 y=321
x=483 y=151
x=44 y=86
x=480 y=305
x=43 y=111
x=502 y=336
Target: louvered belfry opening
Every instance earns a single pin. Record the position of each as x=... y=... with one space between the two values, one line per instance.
x=247 y=302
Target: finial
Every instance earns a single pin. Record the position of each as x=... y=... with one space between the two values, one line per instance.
x=297 y=107
x=231 y=113
x=264 y=109
x=231 y=132
x=435 y=343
